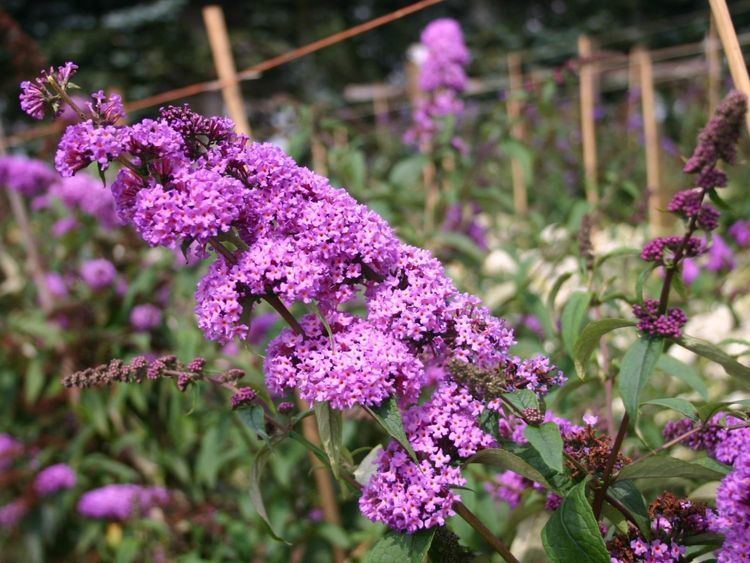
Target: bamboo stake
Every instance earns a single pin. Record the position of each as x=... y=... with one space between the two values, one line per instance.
x=713 y=62
x=323 y=480
x=658 y=198
x=221 y=49
x=518 y=132
x=731 y=49
x=588 y=97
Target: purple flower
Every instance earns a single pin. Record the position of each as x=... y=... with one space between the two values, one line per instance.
x=54 y=478
x=63 y=226
x=654 y=323
x=26 y=176
x=442 y=77
x=84 y=193
x=260 y=326
x=145 y=317
x=732 y=517
x=690 y=271
x=12 y=513
x=740 y=231
x=356 y=364
x=662 y=250
x=718 y=141
x=508 y=487
x=720 y=255
x=243 y=397
x=84 y=143
x=98 y=273
x=121 y=502
x=109 y=109
x=37 y=96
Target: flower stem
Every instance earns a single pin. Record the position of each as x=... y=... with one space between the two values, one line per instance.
x=495 y=542
x=602 y=491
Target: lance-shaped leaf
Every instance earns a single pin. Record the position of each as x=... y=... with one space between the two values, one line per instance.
x=394 y=546
x=656 y=467
x=508 y=461
x=589 y=339
x=256 y=497
x=716 y=354
x=636 y=369
x=572 y=534
x=546 y=440
x=573 y=318
x=331 y=430
x=388 y=416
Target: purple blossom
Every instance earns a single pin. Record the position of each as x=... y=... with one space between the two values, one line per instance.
x=508 y=487
x=662 y=250
x=82 y=192
x=689 y=204
x=63 y=226
x=38 y=96
x=145 y=317
x=12 y=513
x=26 y=176
x=56 y=284
x=84 y=143
x=98 y=273
x=740 y=231
x=55 y=478
x=720 y=255
x=732 y=517
x=244 y=396
x=442 y=77
x=121 y=502
x=356 y=364
x=109 y=109
x=654 y=323
x=260 y=326
x=690 y=270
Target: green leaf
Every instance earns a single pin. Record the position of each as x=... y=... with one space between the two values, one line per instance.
x=572 y=534
x=655 y=467
x=642 y=277
x=388 y=416
x=573 y=318
x=462 y=243
x=407 y=548
x=367 y=467
x=33 y=382
x=636 y=369
x=589 y=339
x=331 y=429
x=508 y=461
x=547 y=441
x=253 y=418
x=556 y=288
x=523 y=399
x=684 y=372
x=629 y=495
x=676 y=404
x=716 y=354
x=256 y=497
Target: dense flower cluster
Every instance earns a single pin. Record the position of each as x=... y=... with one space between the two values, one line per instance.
x=664 y=250
x=27 y=176
x=673 y=520
x=122 y=501
x=409 y=496
x=654 y=323
x=740 y=231
x=98 y=273
x=732 y=517
x=82 y=192
x=243 y=397
x=54 y=478
x=442 y=78
x=282 y=233
x=722 y=437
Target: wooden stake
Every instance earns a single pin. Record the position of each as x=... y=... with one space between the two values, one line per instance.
x=221 y=49
x=588 y=97
x=713 y=62
x=518 y=131
x=658 y=198
x=634 y=96
x=323 y=480
x=731 y=49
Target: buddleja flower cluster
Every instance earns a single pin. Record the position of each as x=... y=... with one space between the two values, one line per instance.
x=716 y=142
x=727 y=439
x=442 y=78
x=283 y=234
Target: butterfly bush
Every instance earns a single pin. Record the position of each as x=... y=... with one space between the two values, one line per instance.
x=283 y=234
x=442 y=78
x=121 y=501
